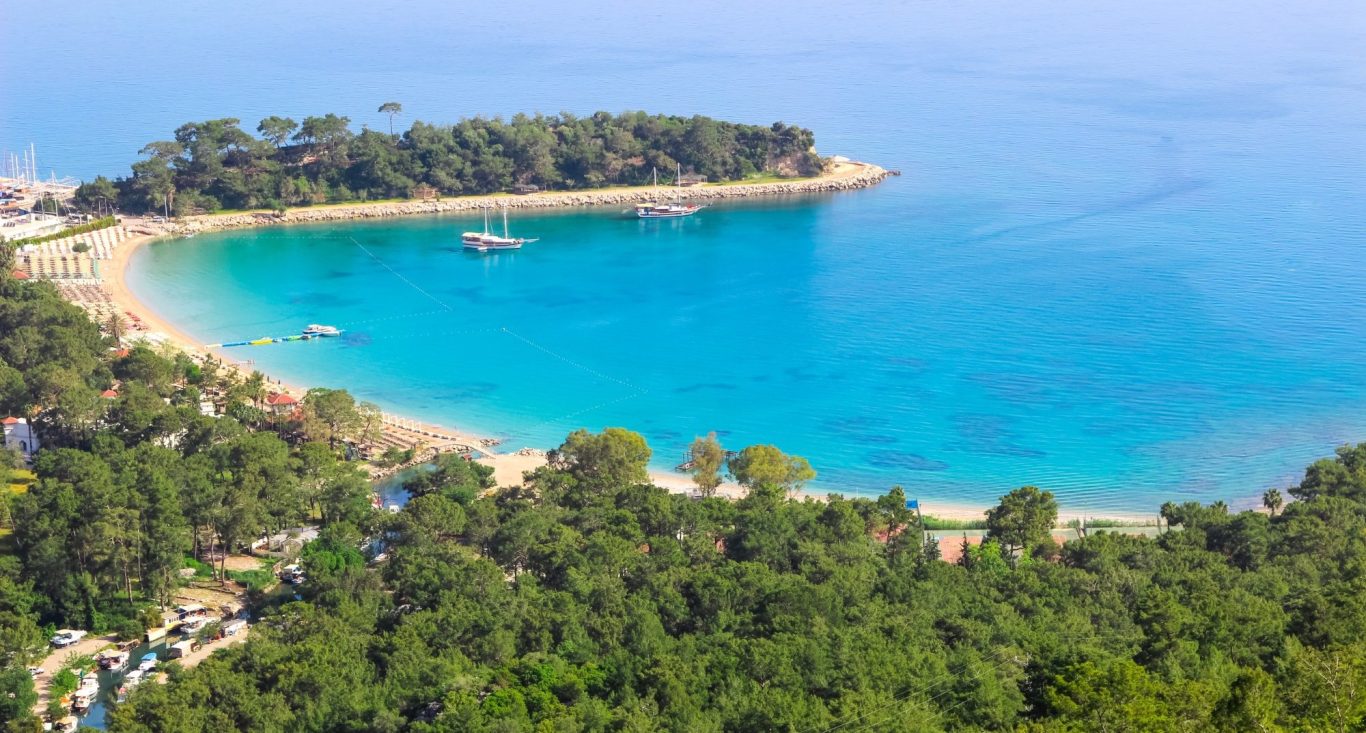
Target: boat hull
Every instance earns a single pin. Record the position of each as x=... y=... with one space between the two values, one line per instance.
x=493 y=247
x=667 y=215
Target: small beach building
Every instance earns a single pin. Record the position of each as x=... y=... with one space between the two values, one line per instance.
x=19 y=437
x=279 y=403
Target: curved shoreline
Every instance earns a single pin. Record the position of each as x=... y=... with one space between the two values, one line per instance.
x=843 y=176
x=508 y=466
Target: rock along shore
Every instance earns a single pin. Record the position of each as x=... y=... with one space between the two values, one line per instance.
x=844 y=177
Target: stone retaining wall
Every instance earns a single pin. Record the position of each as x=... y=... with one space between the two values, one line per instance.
x=866 y=175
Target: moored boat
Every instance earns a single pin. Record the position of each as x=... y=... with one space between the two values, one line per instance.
x=666 y=211
x=112 y=660
x=148 y=663
x=315 y=330
x=672 y=210
x=487 y=241
x=85 y=695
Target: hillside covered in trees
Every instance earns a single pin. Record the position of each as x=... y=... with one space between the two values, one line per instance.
x=216 y=164
x=590 y=600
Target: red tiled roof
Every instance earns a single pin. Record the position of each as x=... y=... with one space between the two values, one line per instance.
x=19 y=275
x=121 y=353
x=109 y=393
x=281 y=399
x=10 y=421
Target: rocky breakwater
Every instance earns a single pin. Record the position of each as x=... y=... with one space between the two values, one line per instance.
x=845 y=177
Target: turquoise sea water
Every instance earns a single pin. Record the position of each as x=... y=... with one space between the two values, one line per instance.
x=1123 y=261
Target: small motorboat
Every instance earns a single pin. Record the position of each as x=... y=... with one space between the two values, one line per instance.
x=85 y=695
x=315 y=330
x=83 y=699
x=148 y=663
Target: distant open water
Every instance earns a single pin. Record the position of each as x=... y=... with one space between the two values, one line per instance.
x=1123 y=262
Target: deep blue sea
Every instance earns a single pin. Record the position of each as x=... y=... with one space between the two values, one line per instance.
x=1123 y=261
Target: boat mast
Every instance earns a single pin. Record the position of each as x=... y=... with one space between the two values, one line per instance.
x=678 y=182
x=505 y=222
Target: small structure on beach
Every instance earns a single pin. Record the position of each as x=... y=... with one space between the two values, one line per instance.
x=692 y=179
x=423 y=192
x=522 y=189
x=19 y=436
x=280 y=403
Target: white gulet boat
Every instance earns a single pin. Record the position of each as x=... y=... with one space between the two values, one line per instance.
x=652 y=210
x=487 y=241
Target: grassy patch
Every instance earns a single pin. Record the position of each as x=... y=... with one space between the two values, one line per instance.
x=201 y=569
x=1102 y=523
x=935 y=523
x=762 y=178
x=255 y=580
x=20 y=480
x=334 y=205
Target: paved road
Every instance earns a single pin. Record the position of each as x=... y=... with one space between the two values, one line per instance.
x=203 y=652
x=52 y=664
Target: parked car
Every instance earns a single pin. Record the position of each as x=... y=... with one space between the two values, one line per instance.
x=67 y=637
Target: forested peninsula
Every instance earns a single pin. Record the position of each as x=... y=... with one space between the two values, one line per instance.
x=215 y=165
x=590 y=600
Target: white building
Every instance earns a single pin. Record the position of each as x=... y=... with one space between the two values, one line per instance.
x=19 y=436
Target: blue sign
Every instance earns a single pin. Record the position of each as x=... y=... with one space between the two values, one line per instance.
x=912 y=503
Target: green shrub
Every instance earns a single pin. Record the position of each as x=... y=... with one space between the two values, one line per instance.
x=149 y=618
x=127 y=629
x=63 y=683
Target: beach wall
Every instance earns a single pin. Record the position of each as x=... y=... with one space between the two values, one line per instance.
x=850 y=176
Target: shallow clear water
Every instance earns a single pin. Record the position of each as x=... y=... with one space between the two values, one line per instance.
x=1123 y=263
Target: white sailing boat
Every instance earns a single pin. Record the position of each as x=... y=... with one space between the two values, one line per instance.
x=487 y=241
x=652 y=210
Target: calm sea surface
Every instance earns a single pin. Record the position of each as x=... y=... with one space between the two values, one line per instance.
x=1124 y=261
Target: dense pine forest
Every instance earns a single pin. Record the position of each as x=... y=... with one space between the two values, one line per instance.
x=590 y=600
x=215 y=164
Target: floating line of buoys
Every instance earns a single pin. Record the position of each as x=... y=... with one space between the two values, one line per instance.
x=272 y=340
